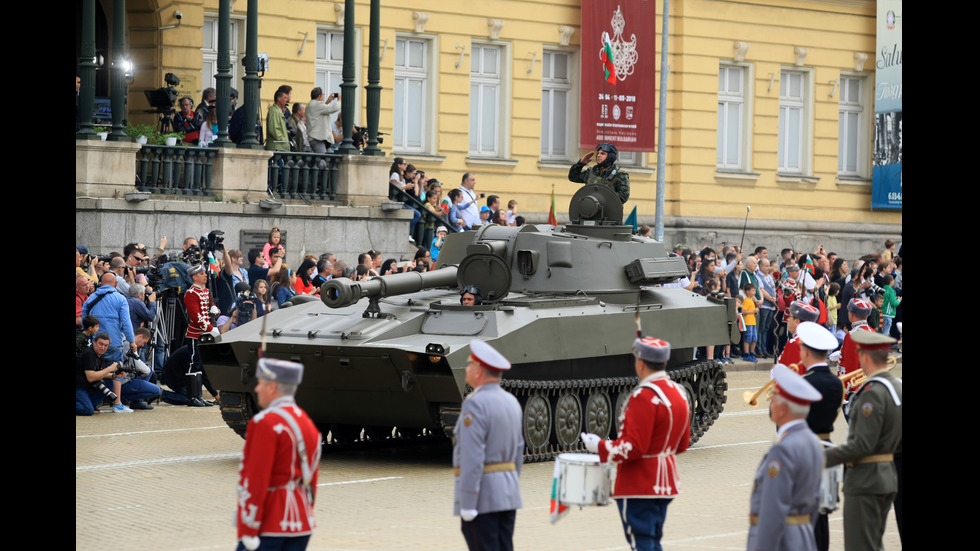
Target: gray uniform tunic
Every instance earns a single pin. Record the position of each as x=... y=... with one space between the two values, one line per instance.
x=488 y=432
x=787 y=483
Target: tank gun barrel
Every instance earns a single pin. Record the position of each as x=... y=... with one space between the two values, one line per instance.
x=339 y=293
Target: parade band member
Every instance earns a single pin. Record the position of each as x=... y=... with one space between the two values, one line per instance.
x=786 y=491
x=797 y=313
x=874 y=435
x=279 y=469
x=200 y=308
x=488 y=454
x=815 y=342
x=654 y=426
x=858 y=311
x=605 y=172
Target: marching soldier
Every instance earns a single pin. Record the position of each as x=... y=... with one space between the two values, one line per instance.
x=653 y=428
x=797 y=313
x=200 y=308
x=605 y=172
x=279 y=469
x=488 y=454
x=815 y=342
x=786 y=492
x=874 y=436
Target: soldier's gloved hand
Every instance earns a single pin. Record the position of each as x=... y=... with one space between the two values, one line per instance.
x=834 y=356
x=215 y=310
x=250 y=542
x=591 y=441
x=214 y=332
x=468 y=514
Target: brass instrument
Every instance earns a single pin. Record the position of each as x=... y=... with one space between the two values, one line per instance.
x=752 y=398
x=857 y=377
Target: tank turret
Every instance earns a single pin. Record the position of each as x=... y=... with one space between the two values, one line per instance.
x=386 y=358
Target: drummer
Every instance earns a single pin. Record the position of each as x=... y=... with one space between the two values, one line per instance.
x=654 y=426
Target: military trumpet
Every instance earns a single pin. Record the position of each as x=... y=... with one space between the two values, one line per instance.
x=857 y=378
x=752 y=398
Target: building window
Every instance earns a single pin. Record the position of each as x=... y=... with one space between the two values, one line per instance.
x=852 y=136
x=794 y=98
x=556 y=92
x=411 y=95
x=329 y=60
x=209 y=67
x=733 y=151
x=485 y=100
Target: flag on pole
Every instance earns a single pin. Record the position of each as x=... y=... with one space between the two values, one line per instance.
x=552 y=216
x=606 y=55
x=213 y=265
x=631 y=220
x=557 y=509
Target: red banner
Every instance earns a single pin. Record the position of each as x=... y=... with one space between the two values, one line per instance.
x=622 y=113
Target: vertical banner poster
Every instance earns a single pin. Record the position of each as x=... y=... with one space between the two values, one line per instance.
x=619 y=91
x=886 y=170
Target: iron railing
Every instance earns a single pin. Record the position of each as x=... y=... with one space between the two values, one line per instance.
x=309 y=176
x=175 y=169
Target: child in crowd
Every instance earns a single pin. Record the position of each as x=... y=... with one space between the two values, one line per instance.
x=832 y=306
x=440 y=238
x=890 y=304
x=485 y=214
x=511 y=212
x=874 y=320
x=749 y=310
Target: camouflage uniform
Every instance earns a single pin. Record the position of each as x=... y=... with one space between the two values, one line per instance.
x=611 y=176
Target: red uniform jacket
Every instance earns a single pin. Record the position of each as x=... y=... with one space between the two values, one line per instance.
x=791 y=355
x=849 y=354
x=653 y=428
x=272 y=498
x=197 y=300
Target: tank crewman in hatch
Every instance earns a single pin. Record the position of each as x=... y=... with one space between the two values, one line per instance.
x=604 y=172
x=470 y=296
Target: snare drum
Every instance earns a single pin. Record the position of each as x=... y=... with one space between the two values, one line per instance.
x=582 y=480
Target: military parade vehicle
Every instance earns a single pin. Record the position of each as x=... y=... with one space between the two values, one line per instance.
x=385 y=358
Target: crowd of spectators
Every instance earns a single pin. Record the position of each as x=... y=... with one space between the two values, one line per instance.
x=764 y=288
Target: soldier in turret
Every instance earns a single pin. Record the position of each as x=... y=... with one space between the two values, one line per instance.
x=604 y=172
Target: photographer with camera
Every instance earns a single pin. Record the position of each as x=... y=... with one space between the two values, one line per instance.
x=90 y=370
x=142 y=306
x=318 y=122
x=112 y=309
x=135 y=388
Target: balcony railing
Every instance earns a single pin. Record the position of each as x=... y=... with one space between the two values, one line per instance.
x=176 y=170
x=310 y=176
x=425 y=230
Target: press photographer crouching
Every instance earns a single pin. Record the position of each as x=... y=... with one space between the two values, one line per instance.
x=134 y=376
x=90 y=370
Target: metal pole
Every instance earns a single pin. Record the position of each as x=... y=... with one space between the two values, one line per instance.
x=223 y=78
x=662 y=127
x=374 y=77
x=117 y=97
x=347 y=86
x=251 y=74
x=86 y=70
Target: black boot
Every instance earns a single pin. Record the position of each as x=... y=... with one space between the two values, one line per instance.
x=193 y=389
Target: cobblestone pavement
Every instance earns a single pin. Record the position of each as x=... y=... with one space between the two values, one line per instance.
x=165 y=479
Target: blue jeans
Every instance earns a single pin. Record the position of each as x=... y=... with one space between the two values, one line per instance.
x=136 y=389
x=113 y=354
x=643 y=522
x=765 y=345
x=886 y=325
x=87 y=400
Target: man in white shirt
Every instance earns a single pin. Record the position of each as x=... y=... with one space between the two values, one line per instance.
x=469 y=208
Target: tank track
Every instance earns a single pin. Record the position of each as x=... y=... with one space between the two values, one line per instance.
x=554 y=412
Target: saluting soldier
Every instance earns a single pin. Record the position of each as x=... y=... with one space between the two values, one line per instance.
x=605 y=172
x=653 y=427
x=786 y=492
x=797 y=313
x=815 y=342
x=874 y=436
x=488 y=454
x=278 y=473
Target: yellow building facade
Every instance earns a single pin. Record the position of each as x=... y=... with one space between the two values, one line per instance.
x=473 y=82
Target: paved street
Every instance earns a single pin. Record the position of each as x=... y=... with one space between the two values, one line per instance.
x=165 y=479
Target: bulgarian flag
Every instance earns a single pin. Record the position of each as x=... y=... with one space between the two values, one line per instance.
x=213 y=265
x=606 y=55
x=552 y=217
x=557 y=509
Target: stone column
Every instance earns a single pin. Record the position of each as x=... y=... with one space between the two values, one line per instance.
x=223 y=87
x=86 y=70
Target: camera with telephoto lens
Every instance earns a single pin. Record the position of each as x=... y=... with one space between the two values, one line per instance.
x=245 y=305
x=106 y=393
x=213 y=242
x=876 y=289
x=133 y=365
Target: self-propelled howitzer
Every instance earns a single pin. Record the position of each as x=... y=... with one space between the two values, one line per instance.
x=385 y=358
